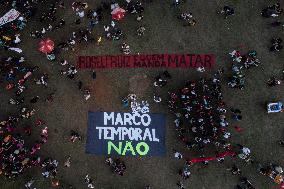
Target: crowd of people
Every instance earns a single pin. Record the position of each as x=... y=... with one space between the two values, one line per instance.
x=274 y=11
x=202 y=125
x=199 y=109
x=18 y=150
x=201 y=119
x=16 y=153
x=241 y=61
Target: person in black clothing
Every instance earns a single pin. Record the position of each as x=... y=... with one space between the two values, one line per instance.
x=236 y=111
x=272 y=11
x=276 y=44
x=80 y=85
x=238 y=187
x=273 y=81
x=180 y=185
x=246 y=183
x=281 y=142
x=276 y=24
x=78 y=21
x=235 y=170
x=34 y=99
x=94 y=74
x=227 y=11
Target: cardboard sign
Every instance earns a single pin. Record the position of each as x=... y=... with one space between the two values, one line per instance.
x=147 y=61
x=9 y=17
x=111 y=133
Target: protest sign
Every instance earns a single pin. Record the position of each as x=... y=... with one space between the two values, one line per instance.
x=184 y=61
x=134 y=134
x=10 y=16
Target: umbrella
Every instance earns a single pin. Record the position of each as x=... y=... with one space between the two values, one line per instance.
x=118 y=13
x=46 y=46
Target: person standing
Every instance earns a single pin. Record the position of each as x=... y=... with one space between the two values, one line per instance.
x=177 y=154
x=94 y=74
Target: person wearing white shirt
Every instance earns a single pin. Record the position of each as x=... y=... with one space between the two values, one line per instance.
x=81 y=14
x=178 y=155
x=43 y=31
x=17 y=40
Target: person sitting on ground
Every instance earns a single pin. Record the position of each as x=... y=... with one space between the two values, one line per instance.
x=276 y=44
x=141 y=30
x=180 y=185
x=185 y=16
x=157 y=98
x=272 y=11
x=87 y=94
x=192 y=22
x=125 y=48
x=246 y=182
x=89 y=181
x=34 y=99
x=74 y=136
x=277 y=24
x=139 y=17
x=235 y=170
x=161 y=79
x=67 y=163
x=227 y=11
x=236 y=111
x=125 y=102
x=201 y=69
x=63 y=62
x=29 y=184
x=271 y=82
x=281 y=142
x=177 y=154
x=160 y=82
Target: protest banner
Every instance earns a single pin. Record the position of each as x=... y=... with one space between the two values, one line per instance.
x=147 y=61
x=111 y=133
x=10 y=16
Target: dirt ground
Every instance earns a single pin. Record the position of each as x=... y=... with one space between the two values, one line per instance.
x=246 y=30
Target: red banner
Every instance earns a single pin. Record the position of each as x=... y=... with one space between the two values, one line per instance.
x=147 y=61
x=221 y=155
